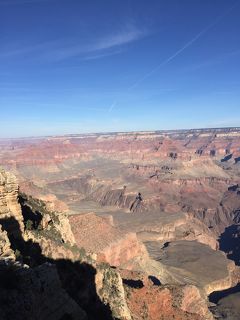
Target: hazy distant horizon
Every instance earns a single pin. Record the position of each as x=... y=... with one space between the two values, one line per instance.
x=123 y=132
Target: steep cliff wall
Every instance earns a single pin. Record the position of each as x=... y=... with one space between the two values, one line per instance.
x=97 y=234
x=146 y=300
x=9 y=205
x=35 y=293
x=54 y=278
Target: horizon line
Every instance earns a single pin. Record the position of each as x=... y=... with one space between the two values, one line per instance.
x=119 y=132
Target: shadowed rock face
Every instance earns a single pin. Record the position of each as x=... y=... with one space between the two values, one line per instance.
x=45 y=278
x=148 y=186
x=35 y=294
x=227 y=303
x=230 y=243
x=35 y=285
x=228 y=300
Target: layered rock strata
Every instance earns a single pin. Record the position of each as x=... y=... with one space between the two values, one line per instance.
x=9 y=205
x=111 y=245
x=58 y=280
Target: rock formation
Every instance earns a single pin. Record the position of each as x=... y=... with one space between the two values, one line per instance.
x=35 y=293
x=132 y=198
x=48 y=278
x=147 y=300
x=5 y=246
x=108 y=242
x=9 y=206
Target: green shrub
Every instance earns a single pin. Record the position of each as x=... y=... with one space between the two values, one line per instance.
x=18 y=254
x=29 y=225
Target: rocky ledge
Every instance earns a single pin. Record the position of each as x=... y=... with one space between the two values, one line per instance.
x=44 y=274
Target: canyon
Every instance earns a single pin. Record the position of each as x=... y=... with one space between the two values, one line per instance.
x=152 y=217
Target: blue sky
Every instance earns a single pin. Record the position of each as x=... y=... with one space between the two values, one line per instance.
x=73 y=66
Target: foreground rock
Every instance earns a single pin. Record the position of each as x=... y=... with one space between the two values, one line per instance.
x=9 y=206
x=27 y=293
x=147 y=300
x=44 y=275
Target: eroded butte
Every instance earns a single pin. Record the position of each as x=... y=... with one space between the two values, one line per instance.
x=158 y=206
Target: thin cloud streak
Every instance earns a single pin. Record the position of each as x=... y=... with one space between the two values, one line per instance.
x=103 y=55
x=119 y=39
x=187 y=45
x=213 y=61
x=113 y=105
x=106 y=43
x=26 y=49
x=57 y=50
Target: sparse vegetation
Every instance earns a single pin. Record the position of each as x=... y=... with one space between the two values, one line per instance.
x=18 y=254
x=29 y=225
x=33 y=212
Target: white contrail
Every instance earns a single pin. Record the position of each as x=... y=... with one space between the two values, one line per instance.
x=188 y=44
x=113 y=105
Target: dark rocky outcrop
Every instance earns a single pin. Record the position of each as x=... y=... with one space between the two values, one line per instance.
x=44 y=277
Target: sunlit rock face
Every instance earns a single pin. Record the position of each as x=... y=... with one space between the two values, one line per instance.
x=5 y=246
x=151 y=301
x=130 y=198
x=46 y=277
x=110 y=243
x=35 y=278
x=9 y=205
x=188 y=170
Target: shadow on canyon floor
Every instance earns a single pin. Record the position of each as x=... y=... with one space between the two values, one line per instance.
x=229 y=242
x=218 y=295
x=78 y=279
